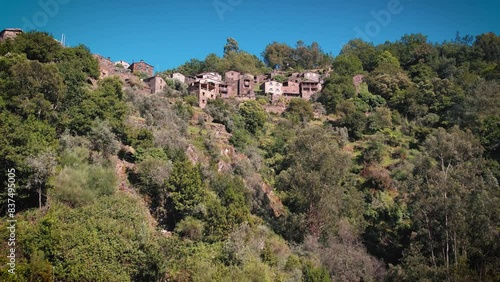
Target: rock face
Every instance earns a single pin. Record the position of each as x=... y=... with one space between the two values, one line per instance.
x=191 y=154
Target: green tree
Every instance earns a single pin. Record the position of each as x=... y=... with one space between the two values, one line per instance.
x=35 y=89
x=20 y=139
x=185 y=191
x=489 y=43
x=448 y=181
x=253 y=115
x=336 y=89
x=365 y=51
x=299 y=110
x=317 y=182
x=105 y=103
x=231 y=46
x=38 y=46
x=347 y=65
x=76 y=65
x=278 y=55
x=103 y=139
x=192 y=67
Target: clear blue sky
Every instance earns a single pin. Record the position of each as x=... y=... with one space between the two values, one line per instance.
x=166 y=33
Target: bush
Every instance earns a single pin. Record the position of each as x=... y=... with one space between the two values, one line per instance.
x=191 y=228
x=299 y=110
x=109 y=240
x=253 y=115
x=80 y=183
x=380 y=119
x=191 y=100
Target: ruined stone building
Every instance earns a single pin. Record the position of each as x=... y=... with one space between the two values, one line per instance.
x=206 y=86
x=156 y=84
x=246 y=86
x=273 y=87
x=260 y=78
x=232 y=75
x=309 y=88
x=231 y=87
x=240 y=85
x=206 y=89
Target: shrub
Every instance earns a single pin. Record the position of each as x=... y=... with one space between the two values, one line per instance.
x=103 y=139
x=80 y=183
x=191 y=228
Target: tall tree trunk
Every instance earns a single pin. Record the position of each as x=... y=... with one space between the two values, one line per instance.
x=447 y=233
x=430 y=239
x=40 y=197
x=455 y=247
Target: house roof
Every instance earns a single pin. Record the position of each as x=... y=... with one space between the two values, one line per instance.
x=209 y=72
x=12 y=29
x=310 y=81
x=153 y=77
x=141 y=62
x=208 y=80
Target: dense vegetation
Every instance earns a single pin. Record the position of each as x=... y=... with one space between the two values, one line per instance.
x=276 y=56
x=396 y=179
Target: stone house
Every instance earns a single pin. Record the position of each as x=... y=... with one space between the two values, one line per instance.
x=178 y=76
x=260 y=78
x=246 y=86
x=207 y=86
x=309 y=88
x=239 y=85
x=291 y=89
x=209 y=75
x=311 y=76
x=156 y=84
x=295 y=79
x=10 y=33
x=206 y=89
x=232 y=75
x=232 y=88
x=273 y=87
x=232 y=80
x=224 y=90
x=228 y=89
x=142 y=67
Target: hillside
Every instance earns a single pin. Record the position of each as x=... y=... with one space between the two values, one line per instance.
x=379 y=164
